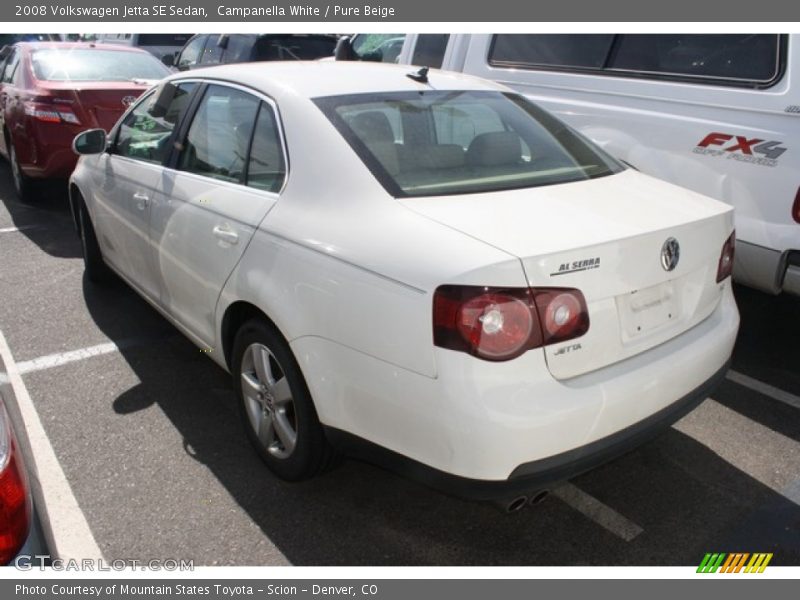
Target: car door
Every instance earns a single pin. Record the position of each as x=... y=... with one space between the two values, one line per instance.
x=225 y=180
x=127 y=177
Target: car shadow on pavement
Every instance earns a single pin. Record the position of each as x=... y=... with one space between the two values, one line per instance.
x=685 y=497
x=46 y=220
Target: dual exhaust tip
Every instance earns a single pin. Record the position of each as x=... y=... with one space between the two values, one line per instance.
x=517 y=503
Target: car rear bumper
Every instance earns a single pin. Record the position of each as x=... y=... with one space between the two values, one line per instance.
x=537 y=475
x=496 y=424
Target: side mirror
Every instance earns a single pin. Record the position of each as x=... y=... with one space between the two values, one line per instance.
x=92 y=141
x=169 y=59
x=344 y=49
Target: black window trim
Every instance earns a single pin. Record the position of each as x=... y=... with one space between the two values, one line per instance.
x=173 y=136
x=780 y=69
x=182 y=129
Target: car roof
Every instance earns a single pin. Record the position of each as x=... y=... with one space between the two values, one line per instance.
x=78 y=45
x=312 y=79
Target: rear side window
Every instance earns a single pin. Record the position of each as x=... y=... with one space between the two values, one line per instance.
x=239 y=48
x=266 y=167
x=746 y=60
x=429 y=50
x=212 y=53
x=219 y=136
x=583 y=51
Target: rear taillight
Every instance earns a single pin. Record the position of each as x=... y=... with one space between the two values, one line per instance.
x=502 y=323
x=15 y=507
x=725 y=267
x=796 y=207
x=50 y=113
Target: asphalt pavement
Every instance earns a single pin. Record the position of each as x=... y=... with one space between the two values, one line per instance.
x=146 y=430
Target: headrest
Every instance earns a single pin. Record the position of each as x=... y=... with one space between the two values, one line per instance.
x=372 y=126
x=495 y=148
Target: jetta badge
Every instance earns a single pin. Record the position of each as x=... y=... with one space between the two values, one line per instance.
x=128 y=100
x=670 y=254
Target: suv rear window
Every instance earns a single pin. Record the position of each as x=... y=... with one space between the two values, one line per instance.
x=747 y=60
x=436 y=143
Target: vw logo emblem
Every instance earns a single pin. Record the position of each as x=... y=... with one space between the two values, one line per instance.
x=670 y=254
x=128 y=100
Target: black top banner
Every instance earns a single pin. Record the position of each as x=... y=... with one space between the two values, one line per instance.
x=405 y=11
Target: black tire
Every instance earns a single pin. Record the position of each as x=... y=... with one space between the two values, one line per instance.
x=95 y=267
x=23 y=185
x=311 y=453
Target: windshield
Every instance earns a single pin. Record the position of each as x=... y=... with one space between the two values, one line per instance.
x=90 y=64
x=433 y=143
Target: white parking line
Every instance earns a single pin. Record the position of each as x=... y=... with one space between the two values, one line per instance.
x=764 y=388
x=13 y=229
x=603 y=515
x=759 y=452
x=66 y=529
x=62 y=358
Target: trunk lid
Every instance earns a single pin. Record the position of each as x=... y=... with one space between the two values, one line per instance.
x=96 y=104
x=604 y=237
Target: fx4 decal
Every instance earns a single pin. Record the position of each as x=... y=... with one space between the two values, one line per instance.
x=738 y=147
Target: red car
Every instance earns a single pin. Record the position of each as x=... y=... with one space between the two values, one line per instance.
x=51 y=91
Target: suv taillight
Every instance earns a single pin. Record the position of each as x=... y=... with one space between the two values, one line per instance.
x=503 y=323
x=725 y=267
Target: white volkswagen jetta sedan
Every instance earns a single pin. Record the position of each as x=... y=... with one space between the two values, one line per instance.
x=420 y=268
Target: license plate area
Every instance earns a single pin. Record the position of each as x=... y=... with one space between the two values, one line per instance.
x=648 y=310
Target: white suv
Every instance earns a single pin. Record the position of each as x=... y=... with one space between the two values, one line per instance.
x=716 y=113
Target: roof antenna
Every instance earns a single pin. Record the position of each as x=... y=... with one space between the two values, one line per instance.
x=421 y=76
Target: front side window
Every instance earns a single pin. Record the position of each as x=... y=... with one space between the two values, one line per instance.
x=79 y=64
x=145 y=137
x=747 y=60
x=378 y=47
x=190 y=55
x=10 y=67
x=461 y=142
x=219 y=137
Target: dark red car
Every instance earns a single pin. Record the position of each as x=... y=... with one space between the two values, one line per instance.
x=51 y=91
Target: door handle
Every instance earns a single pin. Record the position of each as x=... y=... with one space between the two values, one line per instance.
x=142 y=200
x=226 y=234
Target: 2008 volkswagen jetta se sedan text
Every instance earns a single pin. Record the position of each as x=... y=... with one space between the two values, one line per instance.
x=419 y=268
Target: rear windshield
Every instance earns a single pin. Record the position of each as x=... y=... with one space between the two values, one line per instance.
x=432 y=143
x=90 y=64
